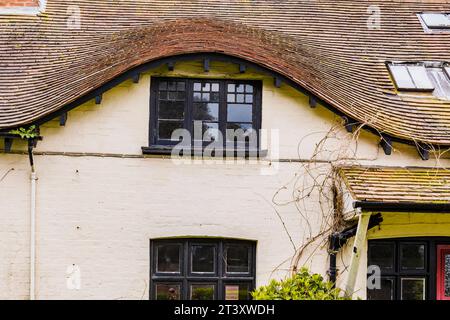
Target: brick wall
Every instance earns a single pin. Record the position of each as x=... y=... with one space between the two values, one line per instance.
x=19 y=3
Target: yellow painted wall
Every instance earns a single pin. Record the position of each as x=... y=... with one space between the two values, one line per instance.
x=398 y=225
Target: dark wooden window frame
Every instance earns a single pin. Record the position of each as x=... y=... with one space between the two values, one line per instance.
x=430 y=272
x=220 y=277
x=157 y=146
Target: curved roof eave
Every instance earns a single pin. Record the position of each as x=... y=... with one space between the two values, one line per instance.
x=358 y=86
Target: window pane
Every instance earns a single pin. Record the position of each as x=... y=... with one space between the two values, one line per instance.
x=172 y=96
x=240 y=113
x=205 y=97
x=163 y=95
x=167 y=291
x=420 y=77
x=197 y=96
x=231 y=98
x=206 y=111
x=202 y=291
x=413 y=289
x=447 y=70
x=206 y=87
x=440 y=81
x=215 y=87
x=168 y=258
x=385 y=292
x=171 y=110
x=249 y=88
x=237 y=291
x=203 y=258
x=401 y=77
x=436 y=20
x=231 y=88
x=412 y=256
x=172 y=86
x=211 y=131
x=240 y=98
x=240 y=88
x=197 y=86
x=241 y=132
x=237 y=259
x=215 y=97
x=166 y=128
x=382 y=255
x=163 y=85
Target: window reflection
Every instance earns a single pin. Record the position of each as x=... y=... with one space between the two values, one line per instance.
x=412 y=289
x=167 y=291
x=168 y=258
x=202 y=292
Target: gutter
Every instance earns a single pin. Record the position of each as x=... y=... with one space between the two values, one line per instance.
x=426 y=207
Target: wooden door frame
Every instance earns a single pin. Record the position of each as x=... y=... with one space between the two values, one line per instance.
x=441 y=251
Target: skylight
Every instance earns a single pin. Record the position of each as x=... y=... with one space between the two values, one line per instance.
x=436 y=20
x=411 y=77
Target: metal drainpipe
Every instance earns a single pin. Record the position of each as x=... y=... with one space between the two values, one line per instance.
x=333 y=251
x=33 y=178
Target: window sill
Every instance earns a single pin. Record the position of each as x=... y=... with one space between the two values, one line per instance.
x=226 y=153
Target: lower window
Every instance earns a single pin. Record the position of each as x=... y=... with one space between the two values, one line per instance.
x=411 y=269
x=202 y=269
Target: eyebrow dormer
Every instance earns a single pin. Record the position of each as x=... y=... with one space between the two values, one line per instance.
x=22 y=7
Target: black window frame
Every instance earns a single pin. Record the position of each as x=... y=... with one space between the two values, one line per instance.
x=186 y=278
x=429 y=273
x=164 y=146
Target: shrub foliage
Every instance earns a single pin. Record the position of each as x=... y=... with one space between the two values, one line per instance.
x=302 y=286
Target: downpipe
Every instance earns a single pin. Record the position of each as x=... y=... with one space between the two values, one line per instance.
x=33 y=179
x=338 y=239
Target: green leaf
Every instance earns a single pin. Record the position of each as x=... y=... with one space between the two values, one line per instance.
x=302 y=286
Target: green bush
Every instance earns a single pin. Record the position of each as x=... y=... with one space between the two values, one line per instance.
x=303 y=286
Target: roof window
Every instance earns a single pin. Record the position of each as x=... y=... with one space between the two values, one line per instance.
x=422 y=77
x=411 y=77
x=436 y=21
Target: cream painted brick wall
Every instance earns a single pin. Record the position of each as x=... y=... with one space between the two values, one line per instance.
x=100 y=212
x=14 y=227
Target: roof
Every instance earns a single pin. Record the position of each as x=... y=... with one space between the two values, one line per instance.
x=323 y=46
x=397 y=185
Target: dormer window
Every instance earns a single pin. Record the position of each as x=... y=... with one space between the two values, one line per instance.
x=412 y=77
x=436 y=20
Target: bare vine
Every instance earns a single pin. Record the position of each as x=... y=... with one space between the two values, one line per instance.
x=318 y=175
